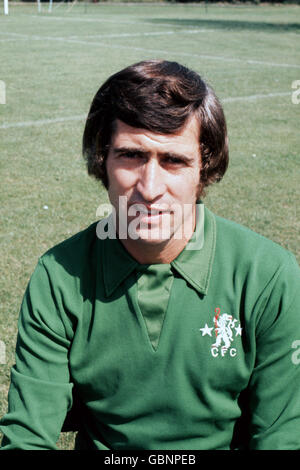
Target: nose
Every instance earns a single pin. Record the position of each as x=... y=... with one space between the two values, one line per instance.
x=151 y=184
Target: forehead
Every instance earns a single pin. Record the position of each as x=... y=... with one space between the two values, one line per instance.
x=187 y=137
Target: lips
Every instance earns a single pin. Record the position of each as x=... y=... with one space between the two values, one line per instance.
x=150 y=215
x=148 y=210
x=153 y=212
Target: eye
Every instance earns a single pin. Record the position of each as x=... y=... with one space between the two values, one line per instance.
x=130 y=155
x=174 y=161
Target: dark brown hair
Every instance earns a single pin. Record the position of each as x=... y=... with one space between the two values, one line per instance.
x=159 y=96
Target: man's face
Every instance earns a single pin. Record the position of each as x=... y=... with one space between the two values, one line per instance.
x=158 y=177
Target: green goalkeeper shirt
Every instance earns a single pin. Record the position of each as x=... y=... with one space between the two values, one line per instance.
x=214 y=365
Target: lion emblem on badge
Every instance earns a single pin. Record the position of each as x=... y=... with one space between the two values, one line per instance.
x=224 y=326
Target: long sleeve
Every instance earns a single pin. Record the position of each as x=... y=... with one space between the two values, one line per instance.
x=273 y=395
x=40 y=393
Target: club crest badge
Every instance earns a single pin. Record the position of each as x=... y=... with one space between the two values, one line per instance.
x=226 y=330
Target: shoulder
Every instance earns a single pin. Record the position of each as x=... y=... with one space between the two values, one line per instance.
x=73 y=254
x=241 y=246
x=259 y=271
x=243 y=240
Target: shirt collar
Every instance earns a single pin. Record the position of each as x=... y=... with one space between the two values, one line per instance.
x=194 y=263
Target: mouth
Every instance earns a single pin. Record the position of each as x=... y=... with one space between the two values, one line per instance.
x=154 y=212
x=148 y=214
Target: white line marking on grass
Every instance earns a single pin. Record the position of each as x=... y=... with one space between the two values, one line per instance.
x=151 y=33
x=188 y=54
x=153 y=51
x=255 y=97
x=42 y=122
x=18 y=35
x=261 y=62
x=106 y=20
x=199 y=56
x=111 y=35
x=11 y=39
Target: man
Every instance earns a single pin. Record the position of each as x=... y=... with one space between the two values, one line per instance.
x=174 y=327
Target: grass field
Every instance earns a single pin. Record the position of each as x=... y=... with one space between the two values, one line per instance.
x=52 y=65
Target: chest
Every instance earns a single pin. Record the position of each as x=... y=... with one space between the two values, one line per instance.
x=202 y=346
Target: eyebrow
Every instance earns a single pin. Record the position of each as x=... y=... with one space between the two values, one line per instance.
x=141 y=151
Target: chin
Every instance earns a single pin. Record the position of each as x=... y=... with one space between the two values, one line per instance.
x=153 y=237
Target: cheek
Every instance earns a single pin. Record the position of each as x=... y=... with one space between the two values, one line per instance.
x=186 y=187
x=121 y=180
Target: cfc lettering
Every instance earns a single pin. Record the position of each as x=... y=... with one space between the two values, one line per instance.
x=215 y=352
x=163 y=459
x=232 y=352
